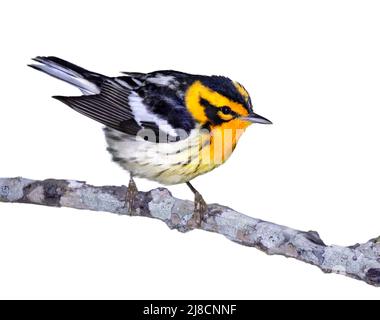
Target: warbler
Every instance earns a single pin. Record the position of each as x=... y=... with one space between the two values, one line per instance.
x=166 y=126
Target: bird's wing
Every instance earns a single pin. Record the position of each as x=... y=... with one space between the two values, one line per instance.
x=126 y=108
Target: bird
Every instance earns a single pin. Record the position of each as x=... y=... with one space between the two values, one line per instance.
x=167 y=126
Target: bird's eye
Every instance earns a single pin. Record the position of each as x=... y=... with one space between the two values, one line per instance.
x=226 y=110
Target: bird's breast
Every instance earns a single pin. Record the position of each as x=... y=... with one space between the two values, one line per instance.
x=174 y=162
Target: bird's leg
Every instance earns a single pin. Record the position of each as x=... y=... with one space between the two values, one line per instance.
x=131 y=195
x=200 y=206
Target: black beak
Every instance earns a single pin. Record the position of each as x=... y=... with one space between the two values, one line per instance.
x=255 y=118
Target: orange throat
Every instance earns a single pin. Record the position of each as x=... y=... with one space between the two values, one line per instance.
x=223 y=139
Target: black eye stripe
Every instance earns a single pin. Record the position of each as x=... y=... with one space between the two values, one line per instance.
x=213 y=112
x=224 y=109
x=206 y=103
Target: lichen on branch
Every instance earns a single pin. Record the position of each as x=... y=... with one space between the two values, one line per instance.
x=361 y=261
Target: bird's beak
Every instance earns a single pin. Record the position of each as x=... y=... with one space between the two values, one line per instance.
x=255 y=118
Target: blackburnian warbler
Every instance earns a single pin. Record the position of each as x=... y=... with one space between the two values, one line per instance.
x=166 y=126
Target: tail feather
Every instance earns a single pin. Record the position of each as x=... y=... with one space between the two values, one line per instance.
x=88 y=82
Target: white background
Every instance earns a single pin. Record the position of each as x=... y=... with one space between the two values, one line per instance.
x=312 y=67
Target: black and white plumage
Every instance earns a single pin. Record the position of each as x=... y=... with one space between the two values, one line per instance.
x=127 y=103
x=154 y=126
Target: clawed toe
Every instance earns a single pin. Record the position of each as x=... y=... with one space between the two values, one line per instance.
x=200 y=209
x=131 y=196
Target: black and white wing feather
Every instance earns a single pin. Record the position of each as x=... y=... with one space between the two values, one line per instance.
x=110 y=107
x=128 y=103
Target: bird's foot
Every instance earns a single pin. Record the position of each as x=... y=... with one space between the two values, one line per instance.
x=200 y=210
x=131 y=196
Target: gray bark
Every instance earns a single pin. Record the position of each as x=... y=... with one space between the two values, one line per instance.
x=360 y=261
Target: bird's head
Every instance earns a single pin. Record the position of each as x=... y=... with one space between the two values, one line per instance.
x=219 y=102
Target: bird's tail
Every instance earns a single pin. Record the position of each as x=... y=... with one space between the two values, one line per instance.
x=88 y=82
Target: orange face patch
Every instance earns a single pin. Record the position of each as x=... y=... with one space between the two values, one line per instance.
x=197 y=91
x=223 y=137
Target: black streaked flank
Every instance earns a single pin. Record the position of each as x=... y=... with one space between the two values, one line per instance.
x=159 y=135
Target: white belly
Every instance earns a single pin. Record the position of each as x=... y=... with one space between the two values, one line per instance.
x=167 y=163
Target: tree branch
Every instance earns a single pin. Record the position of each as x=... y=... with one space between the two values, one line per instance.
x=361 y=261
